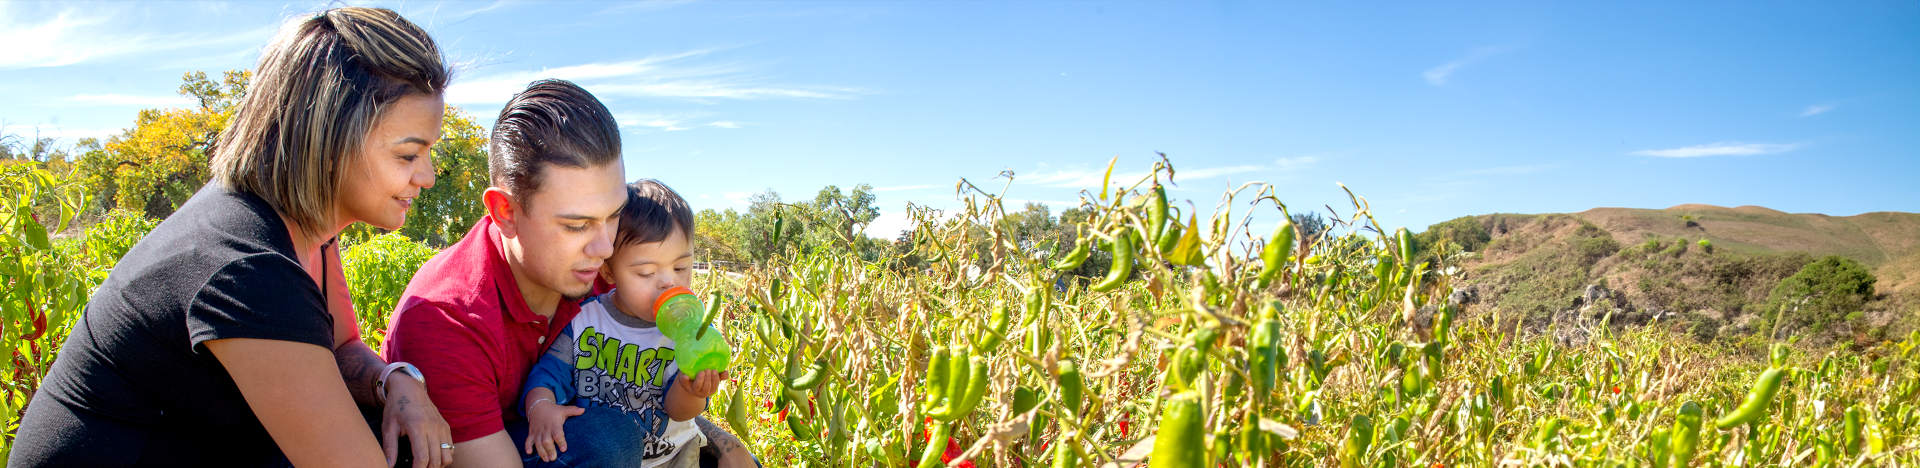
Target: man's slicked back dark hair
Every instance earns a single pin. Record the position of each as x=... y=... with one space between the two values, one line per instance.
x=652 y=213
x=553 y=122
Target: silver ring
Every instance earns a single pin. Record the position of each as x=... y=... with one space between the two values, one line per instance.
x=446 y=446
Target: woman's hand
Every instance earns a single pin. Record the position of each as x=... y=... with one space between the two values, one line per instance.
x=410 y=413
x=546 y=422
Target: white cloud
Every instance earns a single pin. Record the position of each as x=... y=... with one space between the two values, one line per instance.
x=1438 y=75
x=1301 y=162
x=903 y=187
x=1721 y=149
x=888 y=225
x=125 y=100
x=738 y=198
x=669 y=122
x=78 y=35
x=1081 y=176
x=1529 y=169
x=59 y=133
x=1212 y=172
x=669 y=76
x=1818 y=109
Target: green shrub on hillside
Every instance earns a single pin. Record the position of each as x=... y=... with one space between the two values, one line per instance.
x=378 y=270
x=1465 y=231
x=1822 y=293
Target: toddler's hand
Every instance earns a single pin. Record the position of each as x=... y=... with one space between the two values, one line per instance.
x=545 y=428
x=704 y=384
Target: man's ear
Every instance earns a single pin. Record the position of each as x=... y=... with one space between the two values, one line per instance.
x=502 y=207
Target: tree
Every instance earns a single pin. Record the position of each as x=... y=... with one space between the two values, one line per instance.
x=1822 y=293
x=160 y=162
x=1311 y=225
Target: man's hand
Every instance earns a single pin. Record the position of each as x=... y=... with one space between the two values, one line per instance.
x=546 y=422
x=410 y=413
x=703 y=385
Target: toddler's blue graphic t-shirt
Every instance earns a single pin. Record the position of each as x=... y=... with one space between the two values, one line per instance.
x=608 y=359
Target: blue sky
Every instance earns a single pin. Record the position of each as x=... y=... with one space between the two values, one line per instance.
x=1430 y=110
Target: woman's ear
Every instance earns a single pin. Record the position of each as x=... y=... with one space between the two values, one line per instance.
x=500 y=205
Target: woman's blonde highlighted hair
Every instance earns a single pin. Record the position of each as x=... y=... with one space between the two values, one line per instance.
x=318 y=89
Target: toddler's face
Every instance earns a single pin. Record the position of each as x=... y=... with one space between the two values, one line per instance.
x=640 y=272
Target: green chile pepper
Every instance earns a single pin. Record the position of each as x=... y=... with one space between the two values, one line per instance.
x=1545 y=436
x=975 y=391
x=1170 y=239
x=1075 y=257
x=1358 y=438
x=1122 y=262
x=936 y=445
x=779 y=219
x=1064 y=456
x=815 y=374
x=935 y=386
x=1157 y=211
x=1264 y=355
x=1851 y=439
x=1070 y=387
x=1024 y=399
x=959 y=372
x=996 y=330
x=1686 y=435
x=1657 y=446
x=796 y=422
x=1755 y=407
x=1279 y=247
x=1181 y=440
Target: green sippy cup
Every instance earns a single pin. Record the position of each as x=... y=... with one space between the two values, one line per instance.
x=681 y=317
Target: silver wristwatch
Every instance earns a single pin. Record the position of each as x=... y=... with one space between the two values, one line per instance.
x=380 y=386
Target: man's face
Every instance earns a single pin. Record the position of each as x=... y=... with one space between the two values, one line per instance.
x=564 y=232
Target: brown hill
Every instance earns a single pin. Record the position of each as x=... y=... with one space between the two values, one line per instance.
x=1649 y=266
x=1887 y=241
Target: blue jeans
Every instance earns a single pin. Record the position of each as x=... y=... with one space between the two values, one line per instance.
x=601 y=437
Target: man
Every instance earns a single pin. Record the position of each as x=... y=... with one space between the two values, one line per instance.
x=477 y=316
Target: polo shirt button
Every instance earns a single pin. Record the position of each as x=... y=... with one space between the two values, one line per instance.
x=541 y=340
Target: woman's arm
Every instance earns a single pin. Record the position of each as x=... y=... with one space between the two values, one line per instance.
x=408 y=411
x=296 y=391
x=359 y=365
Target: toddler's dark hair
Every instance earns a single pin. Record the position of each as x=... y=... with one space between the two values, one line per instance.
x=652 y=213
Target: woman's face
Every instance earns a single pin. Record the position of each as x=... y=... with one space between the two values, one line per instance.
x=394 y=164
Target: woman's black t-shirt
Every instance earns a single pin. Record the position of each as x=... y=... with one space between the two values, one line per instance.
x=134 y=385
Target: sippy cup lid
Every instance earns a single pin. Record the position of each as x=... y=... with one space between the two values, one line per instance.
x=669 y=294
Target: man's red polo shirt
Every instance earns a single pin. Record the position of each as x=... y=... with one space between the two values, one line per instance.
x=463 y=322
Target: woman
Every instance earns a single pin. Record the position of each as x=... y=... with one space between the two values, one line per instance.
x=223 y=337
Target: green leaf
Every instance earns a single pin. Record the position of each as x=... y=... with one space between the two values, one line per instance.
x=35 y=233
x=1187 y=251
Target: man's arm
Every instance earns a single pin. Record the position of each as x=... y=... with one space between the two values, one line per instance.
x=722 y=445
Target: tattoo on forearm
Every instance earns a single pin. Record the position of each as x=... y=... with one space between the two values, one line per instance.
x=720 y=442
x=360 y=367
